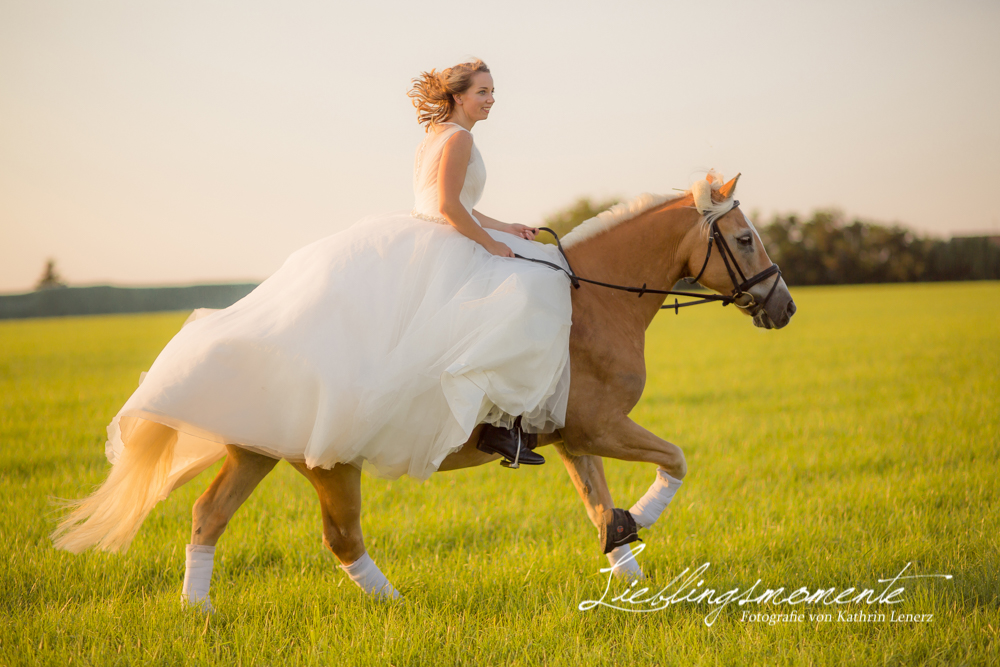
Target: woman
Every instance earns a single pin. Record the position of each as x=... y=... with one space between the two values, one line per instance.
x=460 y=97
x=382 y=346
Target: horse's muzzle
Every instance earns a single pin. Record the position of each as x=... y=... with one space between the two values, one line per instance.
x=764 y=319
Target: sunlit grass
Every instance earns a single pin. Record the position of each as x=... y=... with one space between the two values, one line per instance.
x=830 y=454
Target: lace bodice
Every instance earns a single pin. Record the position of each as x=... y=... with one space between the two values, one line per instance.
x=427 y=204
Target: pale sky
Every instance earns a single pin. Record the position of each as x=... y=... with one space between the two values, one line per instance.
x=176 y=142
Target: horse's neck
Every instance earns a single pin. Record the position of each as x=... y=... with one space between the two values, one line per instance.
x=637 y=251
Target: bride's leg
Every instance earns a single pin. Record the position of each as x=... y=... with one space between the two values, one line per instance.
x=339 y=490
x=468 y=456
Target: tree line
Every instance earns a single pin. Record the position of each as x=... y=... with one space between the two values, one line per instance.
x=829 y=249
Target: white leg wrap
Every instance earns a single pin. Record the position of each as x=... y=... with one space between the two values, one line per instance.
x=198 y=576
x=365 y=573
x=649 y=508
x=623 y=560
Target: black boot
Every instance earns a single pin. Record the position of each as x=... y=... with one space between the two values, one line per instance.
x=513 y=444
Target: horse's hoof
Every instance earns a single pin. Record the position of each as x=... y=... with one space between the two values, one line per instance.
x=618 y=528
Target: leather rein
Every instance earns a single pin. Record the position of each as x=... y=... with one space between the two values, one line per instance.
x=740 y=296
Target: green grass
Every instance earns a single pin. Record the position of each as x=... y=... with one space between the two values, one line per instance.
x=830 y=454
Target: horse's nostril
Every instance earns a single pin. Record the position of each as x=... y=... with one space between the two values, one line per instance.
x=791 y=308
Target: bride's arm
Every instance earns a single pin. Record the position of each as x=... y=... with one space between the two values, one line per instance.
x=523 y=231
x=451 y=178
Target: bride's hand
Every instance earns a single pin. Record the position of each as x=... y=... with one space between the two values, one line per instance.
x=499 y=249
x=523 y=231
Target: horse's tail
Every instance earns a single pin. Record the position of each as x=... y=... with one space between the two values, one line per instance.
x=110 y=517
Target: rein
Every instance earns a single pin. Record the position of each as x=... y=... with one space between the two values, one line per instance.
x=739 y=288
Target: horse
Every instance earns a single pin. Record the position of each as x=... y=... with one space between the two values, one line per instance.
x=650 y=240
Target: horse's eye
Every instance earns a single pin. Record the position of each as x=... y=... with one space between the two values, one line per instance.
x=745 y=241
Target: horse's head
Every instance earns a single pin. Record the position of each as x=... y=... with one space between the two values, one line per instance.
x=726 y=254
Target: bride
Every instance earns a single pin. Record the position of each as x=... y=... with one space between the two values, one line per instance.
x=382 y=346
x=387 y=343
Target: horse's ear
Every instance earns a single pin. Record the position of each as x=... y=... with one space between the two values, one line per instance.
x=729 y=188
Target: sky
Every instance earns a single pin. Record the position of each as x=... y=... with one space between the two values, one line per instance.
x=154 y=142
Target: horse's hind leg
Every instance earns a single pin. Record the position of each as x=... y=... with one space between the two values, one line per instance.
x=241 y=473
x=339 y=490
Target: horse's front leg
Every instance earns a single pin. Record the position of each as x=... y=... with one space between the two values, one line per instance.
x=618 y=437
x=587 y=473
x=339 y=491
x=621 y=438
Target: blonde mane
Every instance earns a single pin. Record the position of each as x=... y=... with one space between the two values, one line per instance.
x=701 y=191
x=614 y=216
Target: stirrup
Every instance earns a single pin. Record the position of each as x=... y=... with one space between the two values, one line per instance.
x=517 y=455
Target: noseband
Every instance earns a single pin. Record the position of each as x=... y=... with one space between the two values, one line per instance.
x=740 y=296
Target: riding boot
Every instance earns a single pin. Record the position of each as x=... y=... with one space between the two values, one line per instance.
x=511 y=443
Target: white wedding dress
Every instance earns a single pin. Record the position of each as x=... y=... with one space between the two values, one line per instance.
x=382 y=346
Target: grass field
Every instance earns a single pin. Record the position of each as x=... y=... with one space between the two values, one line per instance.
x=831 y=454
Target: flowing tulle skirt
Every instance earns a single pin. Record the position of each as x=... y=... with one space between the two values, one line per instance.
x=382 y=346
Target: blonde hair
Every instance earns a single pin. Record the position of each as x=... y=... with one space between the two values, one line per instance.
x=433 y=92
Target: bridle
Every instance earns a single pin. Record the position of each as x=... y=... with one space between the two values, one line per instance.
x=740 y=289
x=740 y=296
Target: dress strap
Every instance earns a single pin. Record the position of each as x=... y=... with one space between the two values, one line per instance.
x=456 y=125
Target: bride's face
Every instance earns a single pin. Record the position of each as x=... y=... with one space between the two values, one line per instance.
x=477 y=100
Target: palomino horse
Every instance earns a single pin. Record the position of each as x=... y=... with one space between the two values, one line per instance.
x=652 y=240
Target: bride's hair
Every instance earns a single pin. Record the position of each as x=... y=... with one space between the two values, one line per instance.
x=433 y=92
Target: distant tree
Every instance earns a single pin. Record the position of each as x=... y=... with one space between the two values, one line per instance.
x=965 y=258
x=50 y=278
x=563 y=221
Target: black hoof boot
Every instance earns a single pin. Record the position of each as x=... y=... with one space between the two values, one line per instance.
x=619 y=528
x=513 y=444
